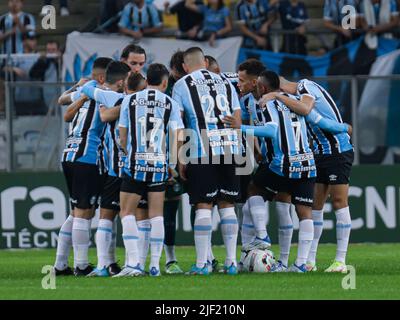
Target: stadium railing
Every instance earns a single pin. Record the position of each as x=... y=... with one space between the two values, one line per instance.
x=35 y=141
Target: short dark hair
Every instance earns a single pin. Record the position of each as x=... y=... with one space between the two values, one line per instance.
x=271 y=78
x=116 y=71
x=102 y=63
x=211 y=60
x=252 y=67
x=132 y=48
x=177 y=61
x=155 y=74
x=134 y=81
x=192 y=50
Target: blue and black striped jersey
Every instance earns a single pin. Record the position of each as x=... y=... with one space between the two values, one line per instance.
x=113 y=153
x=84 y=142
x=14 y=43
x=324 y=143
x=233 y=78
x=292 y=155
x=135 y=18
x=252 y=112
x=148 y=116
x=206 y=98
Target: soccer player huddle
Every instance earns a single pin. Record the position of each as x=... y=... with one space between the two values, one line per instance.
x=137 y=142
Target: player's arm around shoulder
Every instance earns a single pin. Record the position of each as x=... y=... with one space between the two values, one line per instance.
x=74 y=108
x=329 y=125
x=301 y=106
x=109 y=114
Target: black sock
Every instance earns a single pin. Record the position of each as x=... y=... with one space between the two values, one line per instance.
x=170 y=209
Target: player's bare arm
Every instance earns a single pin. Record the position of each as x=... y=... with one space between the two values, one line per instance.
x=180 y=142
x=65 y=98
x=302 y=107
x=123 y=137
x=74 y=108
x=109 y=114
x=234 y=121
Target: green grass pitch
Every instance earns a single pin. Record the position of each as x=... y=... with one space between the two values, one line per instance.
x=377 y=277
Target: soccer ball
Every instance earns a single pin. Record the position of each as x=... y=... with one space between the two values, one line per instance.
x=259 y=261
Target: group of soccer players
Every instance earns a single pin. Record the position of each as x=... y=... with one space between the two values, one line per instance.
x=137 y=142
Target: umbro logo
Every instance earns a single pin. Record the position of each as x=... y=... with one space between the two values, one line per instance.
x=332 y=177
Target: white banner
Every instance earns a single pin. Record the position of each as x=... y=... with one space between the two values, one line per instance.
x=83 y=48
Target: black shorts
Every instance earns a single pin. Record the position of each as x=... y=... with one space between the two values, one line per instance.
x=131 y=185
x=301 y=190
x=334 y=169
x=208 y=183
x=84 y=184
x=175 y=190
x=109 y=198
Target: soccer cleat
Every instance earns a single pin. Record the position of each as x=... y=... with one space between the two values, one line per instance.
x=231 y=270
x=64 y=272
x=258 y=243
x=99 y=273
x=311 y=266
x=279 y=267
x=214 y=265
x=337 y=266
x=198 y=271
x=172 y=267
x=297 y=269
x=114 y=269
x=83 y=273
x=154 y=272
x=129 y=271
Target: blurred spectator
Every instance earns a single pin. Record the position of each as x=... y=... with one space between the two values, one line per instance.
x=110 y=9
x=333 y=17
x=28 y=100
x=13 y=26
x=63 y=7
x=293 y=14
x=188 y=20
x=379 y=16
x=46 y=69
x=216 y=22
x=139 y=19
x=255 y=18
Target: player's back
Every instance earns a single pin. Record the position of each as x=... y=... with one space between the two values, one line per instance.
x=85 y=136
x=292 y=156
x=252 y=112
x=113 y=154
x=324 y=142
x=233 y=78
x=206 y=98
x=149 y=114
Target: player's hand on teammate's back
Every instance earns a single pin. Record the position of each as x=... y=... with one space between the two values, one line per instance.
x=267 y=97
x=84 y=97
x=82 y=81
x=350 y=129
x=232 y=122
